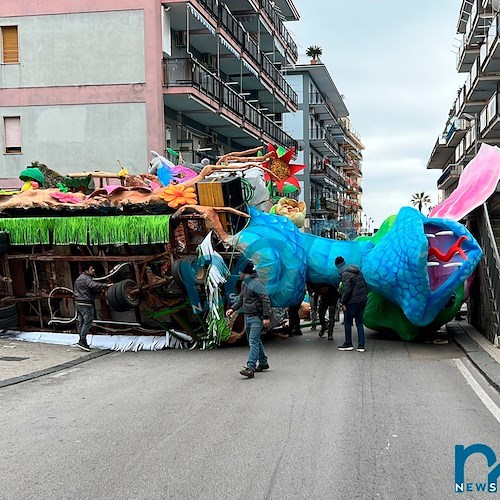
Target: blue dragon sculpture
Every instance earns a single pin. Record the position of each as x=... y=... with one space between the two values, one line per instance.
x=417 y=267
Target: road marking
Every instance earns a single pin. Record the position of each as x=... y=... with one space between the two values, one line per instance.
x=488 y=402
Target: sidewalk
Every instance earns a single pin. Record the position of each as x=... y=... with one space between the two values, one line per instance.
x=479 y=350
x=21 y=361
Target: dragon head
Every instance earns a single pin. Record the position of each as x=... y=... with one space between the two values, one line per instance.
x=420 y=263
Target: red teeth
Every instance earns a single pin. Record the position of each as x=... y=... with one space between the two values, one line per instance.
x=455 y=248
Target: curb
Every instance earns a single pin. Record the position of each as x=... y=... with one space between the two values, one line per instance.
x=488 y=367
x=53 y=369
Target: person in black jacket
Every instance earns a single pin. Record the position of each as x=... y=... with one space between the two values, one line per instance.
x=85 y=290
x=353 y=302
x=328 y=296
x=254 y=302
x=294 y=318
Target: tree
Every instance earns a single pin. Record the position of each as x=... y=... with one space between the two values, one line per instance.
x=419 y=200
x=314 y=51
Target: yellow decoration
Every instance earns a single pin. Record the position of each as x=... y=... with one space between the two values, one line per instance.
x=29 y=185
x=177 y=194
x=295 y=210
x=123 y=172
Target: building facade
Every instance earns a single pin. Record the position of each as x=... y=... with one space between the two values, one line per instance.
x=86 y=83
x=331 y=186
x=474 y=118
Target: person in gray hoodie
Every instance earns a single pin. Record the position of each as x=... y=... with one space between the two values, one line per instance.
x=85 y=290
x=353 y=303
x=253 y=300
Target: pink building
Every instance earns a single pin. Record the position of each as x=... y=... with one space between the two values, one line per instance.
x=89 y=82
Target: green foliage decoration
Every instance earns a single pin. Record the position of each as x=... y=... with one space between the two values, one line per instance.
x=130 y=229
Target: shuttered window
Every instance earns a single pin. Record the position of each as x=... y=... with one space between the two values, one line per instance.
x=12 y=134
x=10 y=45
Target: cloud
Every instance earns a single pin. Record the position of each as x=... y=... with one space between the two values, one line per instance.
x=393 y=62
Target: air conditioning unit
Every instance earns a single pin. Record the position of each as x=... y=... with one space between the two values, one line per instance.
x=181 y=38
x=210 y=60
x=213 y=140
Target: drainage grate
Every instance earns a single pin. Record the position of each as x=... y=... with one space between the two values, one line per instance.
x=12 y=358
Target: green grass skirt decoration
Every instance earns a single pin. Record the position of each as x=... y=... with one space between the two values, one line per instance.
x=106 y=230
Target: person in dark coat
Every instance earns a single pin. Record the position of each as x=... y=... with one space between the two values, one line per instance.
x=85 y=290
x=294 y=318
x=353 y=302
x=328 y=296
x=253 y=300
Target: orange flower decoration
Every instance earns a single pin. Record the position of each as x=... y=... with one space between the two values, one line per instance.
x=177 y=194
x=279 y=165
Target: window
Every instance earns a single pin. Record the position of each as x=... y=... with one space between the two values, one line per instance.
x=12 y=134
x=10 y=45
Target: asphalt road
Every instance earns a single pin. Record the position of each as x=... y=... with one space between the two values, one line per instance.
x=320 y=424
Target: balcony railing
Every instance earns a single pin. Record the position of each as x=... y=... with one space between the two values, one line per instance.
x=324 y=135
x=451 y=173
x=211 y=6
x=320 y=135
x=339 y=128
x=328 y=170
x=189 y=73
x=316 y=98
x=245 y=41
x=232 y=25
x=272 y=14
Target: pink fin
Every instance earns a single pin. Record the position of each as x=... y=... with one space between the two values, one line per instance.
x=477 y=183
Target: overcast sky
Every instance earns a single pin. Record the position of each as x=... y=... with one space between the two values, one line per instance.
x=393 y=62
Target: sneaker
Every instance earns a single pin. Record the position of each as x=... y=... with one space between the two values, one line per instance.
x=360 y=348
x=83 y=346
x=247 y=372
x=261 y=368
x=330 y=337
x=321 y=333
x=345 y=347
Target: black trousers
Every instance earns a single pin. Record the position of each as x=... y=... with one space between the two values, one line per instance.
x=323 y=307
x=293 y=318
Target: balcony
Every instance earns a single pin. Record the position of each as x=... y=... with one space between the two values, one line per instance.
x=211 y=6
x=280 y=28
x=236 y=31
x=353 y=188
x=324 y=205
x=352 y=166
x=480 y=86
x=450 y=176
x=324 y=171
x=183 y=75
x=490 y=50
x=324 y=142
x=340 y=131
x=455 y=132
x=324 y=108
x=238 y=42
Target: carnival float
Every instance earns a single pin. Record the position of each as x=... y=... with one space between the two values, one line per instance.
x=174 y=240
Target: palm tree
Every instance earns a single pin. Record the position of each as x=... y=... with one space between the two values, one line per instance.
x=420 y=199
x=314 y=51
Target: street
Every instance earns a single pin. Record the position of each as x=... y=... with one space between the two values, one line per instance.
x=320 y=424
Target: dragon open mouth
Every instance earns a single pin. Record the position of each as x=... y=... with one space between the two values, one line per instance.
x=445 y=254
